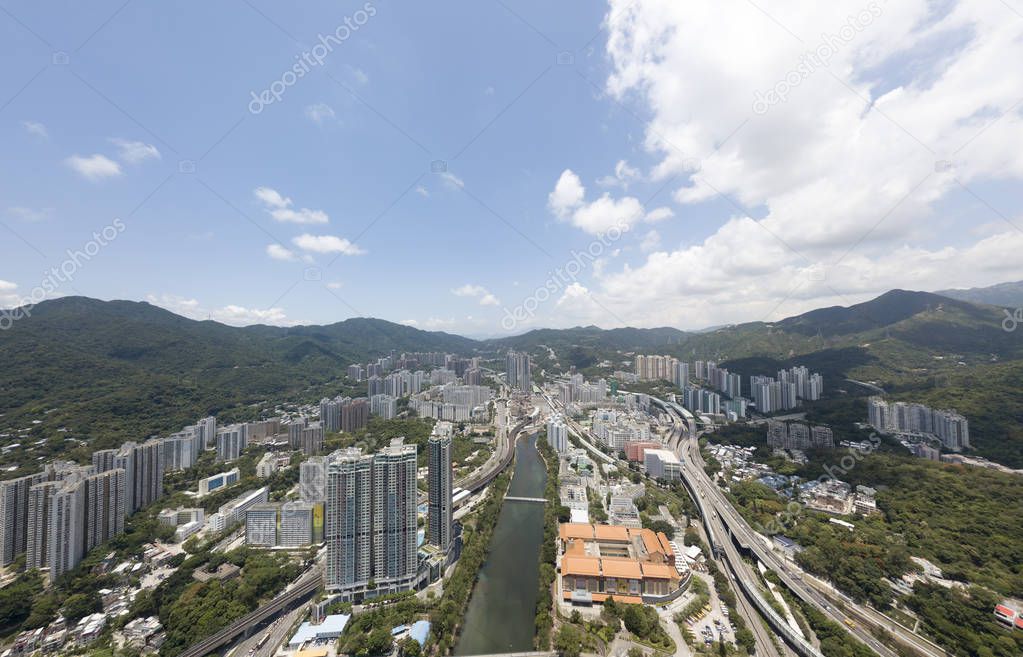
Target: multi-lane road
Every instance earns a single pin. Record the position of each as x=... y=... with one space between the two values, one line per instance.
x=854 y=617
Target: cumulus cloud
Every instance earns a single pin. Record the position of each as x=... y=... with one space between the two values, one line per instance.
x=232 y=314
x=281 y=208
x=9 y=295
x=326 y=244
x=134 y=152
x=477 y=292
x=319 y=112
x=94 y=167
x=568 y=202
x=878 y=125
x=651 y=241
x=623 y=175
x=278 y=252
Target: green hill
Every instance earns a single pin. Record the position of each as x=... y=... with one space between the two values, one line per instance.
x=118 y=370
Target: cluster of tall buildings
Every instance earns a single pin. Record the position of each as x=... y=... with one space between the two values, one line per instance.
x=453 y=403
x=797 y=435
x=576 y=390
x=557 y=433
x=948 y=426
x=383 y=406
x=700 y=400
x=517 y=369
x=344 y=414
x=809 y=385
x=370 y=522
x=662 y=368
x=781 y=394
x=771 y=396
x=231 y=441
x=615 y=428
x=56 y=516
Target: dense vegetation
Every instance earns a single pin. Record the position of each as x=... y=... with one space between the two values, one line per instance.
x=548 y=549
x=118 y=370
x=369 y=632
x=965 y=520
x=190 y=610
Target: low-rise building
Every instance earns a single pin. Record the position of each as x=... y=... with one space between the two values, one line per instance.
x=632 y=565
x=662 y=464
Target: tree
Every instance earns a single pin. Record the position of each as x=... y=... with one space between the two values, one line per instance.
x=379 y=642
x=80 y=605
x=410 y=647
x=662 y=526
x=568 y=642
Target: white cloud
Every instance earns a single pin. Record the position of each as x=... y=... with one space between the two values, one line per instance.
x=335 y=285
x=326 y=244
x=232 y=314
x=568 y=194
x=422 y=191
x=651 y=241
x=278 y=252
x=623 y=175
x=820 y=169
x=567 y=202
x=31 y=215
x=36 y=128
x=319 y=112
x=280 y=208
x=94 y=167
x=452 y=181
x=134 y=152
x=659 y=214
x=409 y=322
x=469 y=290
x=477 y=292
x=8 y=295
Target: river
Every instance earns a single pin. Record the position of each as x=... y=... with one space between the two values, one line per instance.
x=502 y=609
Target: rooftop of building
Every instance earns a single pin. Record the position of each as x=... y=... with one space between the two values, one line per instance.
x=616 y=551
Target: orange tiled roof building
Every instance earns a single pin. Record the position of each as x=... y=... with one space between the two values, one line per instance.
x=632 y=565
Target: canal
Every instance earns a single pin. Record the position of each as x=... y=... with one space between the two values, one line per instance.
x=502 y=609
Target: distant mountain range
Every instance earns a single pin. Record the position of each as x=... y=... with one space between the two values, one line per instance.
x=1009 y=295
x=111 y=370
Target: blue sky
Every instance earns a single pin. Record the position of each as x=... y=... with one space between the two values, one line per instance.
x=431 y=169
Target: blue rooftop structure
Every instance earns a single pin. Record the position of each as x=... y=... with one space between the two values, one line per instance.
x=420 y=630
x=331 y=628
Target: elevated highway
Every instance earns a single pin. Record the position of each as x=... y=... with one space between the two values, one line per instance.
x=854 y=617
